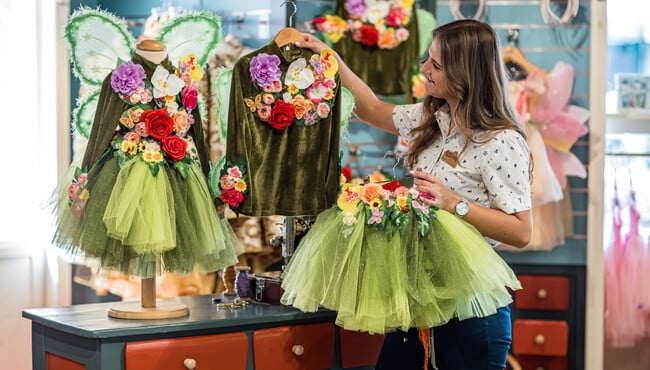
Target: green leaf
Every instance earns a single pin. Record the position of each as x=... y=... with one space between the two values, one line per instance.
x=154 y=167
x=182 y=168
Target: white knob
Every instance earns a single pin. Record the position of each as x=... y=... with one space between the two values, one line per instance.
x=190 y=363
x=539 y=339
x=541 y=294
x=298 y=350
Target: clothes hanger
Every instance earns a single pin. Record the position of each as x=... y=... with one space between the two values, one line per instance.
x=288 y=35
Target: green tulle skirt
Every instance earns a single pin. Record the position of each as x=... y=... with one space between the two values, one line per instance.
x=133 y=220
x=379 y=281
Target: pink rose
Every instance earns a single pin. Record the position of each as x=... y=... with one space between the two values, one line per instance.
x=189 y=97
x=232 y=197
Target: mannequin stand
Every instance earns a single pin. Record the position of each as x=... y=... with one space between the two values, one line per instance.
x=148 y=308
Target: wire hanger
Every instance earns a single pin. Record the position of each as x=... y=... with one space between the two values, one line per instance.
x=288 y=35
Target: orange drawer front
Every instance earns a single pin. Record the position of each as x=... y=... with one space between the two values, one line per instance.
x=206 y=352
x=297 y=347
x=541 y=292
x=54 y=362
x=359 y=349
x=540 y=337
x=543 y=363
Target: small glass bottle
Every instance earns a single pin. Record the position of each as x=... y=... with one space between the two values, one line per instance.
x=242 y=283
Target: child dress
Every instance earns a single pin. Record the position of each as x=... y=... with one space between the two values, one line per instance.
x=140 y=196
x=384 y=261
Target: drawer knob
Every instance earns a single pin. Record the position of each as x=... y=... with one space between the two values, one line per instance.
x=542 y=293
x=298 y=350
x=539 y=339
x=190 y=363
x=539 y=368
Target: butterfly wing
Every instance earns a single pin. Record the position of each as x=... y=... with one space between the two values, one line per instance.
x=97 y=40
x=197 y=33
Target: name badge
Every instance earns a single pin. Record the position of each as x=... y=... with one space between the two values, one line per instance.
x=451 y=158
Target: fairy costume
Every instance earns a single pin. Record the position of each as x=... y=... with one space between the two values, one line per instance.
x=140 y=195
x=385 y=261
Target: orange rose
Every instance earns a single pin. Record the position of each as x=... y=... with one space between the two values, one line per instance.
x=180 y=122
x=301 y=106
x=371 y=192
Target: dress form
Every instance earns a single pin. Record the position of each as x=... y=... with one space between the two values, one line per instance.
x=149 y=307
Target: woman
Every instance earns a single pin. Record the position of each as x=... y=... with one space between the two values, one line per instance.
x=471 y=157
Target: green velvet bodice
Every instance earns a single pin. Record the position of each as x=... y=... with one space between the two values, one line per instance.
x=291 y=172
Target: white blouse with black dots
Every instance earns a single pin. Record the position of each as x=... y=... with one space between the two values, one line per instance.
x=493 y=174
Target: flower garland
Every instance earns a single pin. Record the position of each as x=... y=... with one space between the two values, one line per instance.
x=77 y=193
x=159 y=135
x=384 y=206
x=373 y=23
x=232 y=185
x=302 y=95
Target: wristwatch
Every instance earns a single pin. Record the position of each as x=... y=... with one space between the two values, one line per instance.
x=462 y=208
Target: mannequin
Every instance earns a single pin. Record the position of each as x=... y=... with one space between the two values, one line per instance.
x=152 y=50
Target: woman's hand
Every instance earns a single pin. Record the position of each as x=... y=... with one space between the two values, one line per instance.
x=434 y=192
x=312 y=42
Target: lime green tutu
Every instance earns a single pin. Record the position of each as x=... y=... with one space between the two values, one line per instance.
x=133 y=219
x=379 y=280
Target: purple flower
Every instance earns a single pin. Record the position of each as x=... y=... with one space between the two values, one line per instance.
x=127 y=77
x=356 y=8
x=265 y=69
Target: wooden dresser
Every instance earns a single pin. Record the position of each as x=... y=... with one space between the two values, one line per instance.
x=257 y=337
x=548 y=317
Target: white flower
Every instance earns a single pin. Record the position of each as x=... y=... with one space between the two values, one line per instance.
x=165 y=83
x=299 y=75
x=377 y=11
x=349 y=219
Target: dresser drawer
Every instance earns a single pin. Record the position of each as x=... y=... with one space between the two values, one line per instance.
x=359 y=349
x=297 y=347
x=206 y=352
x=54 y=362
x=543 y=363
x=543 y=292
x=540 y=337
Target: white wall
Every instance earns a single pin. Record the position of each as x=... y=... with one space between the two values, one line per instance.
x=34 y=150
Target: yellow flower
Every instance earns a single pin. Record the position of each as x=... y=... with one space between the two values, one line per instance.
x=329 y=63
x=377 y=176
x=346 y=204
x=402 y=203
x=375 y=203
x=129 y=147
x=192 y=68
x=153 y=156
x=84 y=195
x=293 y=89
x=407 y=4
x=240 y=186
x=336 y=27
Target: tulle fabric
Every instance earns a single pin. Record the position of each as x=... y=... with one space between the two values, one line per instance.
x=133 y=220
x=379 y=281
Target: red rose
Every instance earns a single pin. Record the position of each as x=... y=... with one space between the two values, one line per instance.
x=317 y=23
x=347 y=172
x=189 y=97
x=368 y=35
x=159 y=124
x=232 y=197
x=391 y=186
x=174 y=147
x=282 y=115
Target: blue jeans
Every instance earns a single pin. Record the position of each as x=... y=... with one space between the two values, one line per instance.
x=472 y=344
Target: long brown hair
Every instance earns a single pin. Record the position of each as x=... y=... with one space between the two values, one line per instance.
x=471 y=60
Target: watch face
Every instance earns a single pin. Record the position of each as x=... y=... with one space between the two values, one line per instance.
x=462 y=208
